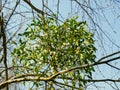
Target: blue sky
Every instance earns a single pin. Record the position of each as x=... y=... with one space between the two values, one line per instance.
x=111 y=29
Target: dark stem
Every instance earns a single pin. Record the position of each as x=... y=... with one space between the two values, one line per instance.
x=4 y=47
x=45 y=85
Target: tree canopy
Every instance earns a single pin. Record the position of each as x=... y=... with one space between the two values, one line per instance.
x=44 y=45
x=48 y=48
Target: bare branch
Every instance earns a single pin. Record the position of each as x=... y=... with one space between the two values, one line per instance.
x=4 y=44
x=12 y=13
x=66 y=85
x=113 y=66
x=24 y=77
x=3 y=84
x=107 y=56
x=94 y=23
x=33 y=7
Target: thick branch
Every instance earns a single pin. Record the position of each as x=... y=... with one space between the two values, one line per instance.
x=84 y=66
x=24 y=77
x=4 y=84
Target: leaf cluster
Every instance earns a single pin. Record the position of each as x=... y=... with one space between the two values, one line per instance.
x=50 y=47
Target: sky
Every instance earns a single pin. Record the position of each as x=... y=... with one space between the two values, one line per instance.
x=111 y=14
x=111 y=29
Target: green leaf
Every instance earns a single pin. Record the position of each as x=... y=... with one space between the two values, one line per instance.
x=50 y=48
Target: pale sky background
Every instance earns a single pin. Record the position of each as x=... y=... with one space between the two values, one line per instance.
x=112 y=32
x=112 y=29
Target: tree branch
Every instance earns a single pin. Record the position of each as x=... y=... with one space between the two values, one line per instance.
x=113 y=66
x=108 y=56
x=3 y=84
x=4 y=44
x=24 y=77
x=33 y=7
x=66 y=85
x=12 y=13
